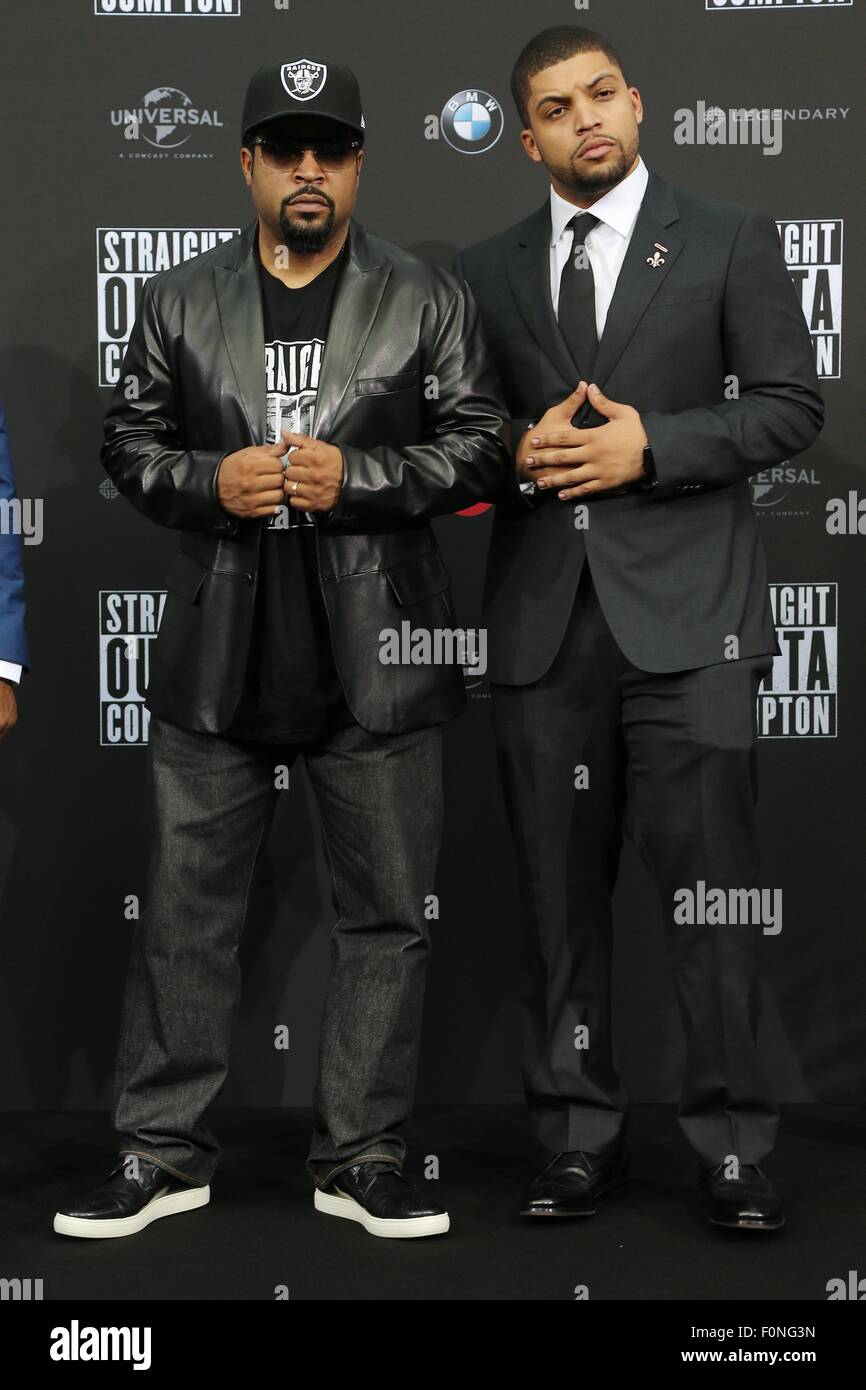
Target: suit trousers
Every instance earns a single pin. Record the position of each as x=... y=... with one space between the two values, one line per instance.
x=672 y=757
x=380 y=801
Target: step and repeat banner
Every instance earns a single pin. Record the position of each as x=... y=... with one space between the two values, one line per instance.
x=122 y=124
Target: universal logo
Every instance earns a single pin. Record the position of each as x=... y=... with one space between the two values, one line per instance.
x=785 y=483
x=192 y=9
x=165 y=120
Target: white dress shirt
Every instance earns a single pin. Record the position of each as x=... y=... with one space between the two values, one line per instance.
x=606 y=244
x=10 y=670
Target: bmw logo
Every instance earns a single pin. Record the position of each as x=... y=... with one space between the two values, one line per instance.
x=472 y=121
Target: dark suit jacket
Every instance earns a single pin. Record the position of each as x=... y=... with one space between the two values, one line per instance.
x=408 y=394
x=679 y=569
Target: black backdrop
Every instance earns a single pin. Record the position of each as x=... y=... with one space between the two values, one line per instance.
x=92 y=146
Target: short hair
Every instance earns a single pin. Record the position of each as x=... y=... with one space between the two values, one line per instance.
x=551 y=46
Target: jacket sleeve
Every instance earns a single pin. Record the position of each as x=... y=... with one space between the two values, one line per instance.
x=14 y=648
x=463 y=458
x=509 y=486
x=142 y=450
x=779 y=410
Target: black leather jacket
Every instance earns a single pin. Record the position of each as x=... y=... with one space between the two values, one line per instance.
x=408 y=393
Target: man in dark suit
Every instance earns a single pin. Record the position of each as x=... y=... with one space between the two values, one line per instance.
x=307 y=333
x=14 y=649
x=654 y=355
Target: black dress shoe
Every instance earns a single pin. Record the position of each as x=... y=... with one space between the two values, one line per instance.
x=384 y=1202
x=747 y=1203
x=571 y=1183
x=123 y=1204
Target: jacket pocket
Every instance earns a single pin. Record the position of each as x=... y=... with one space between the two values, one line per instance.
x=418 y=579
x=381 y=385
x=681 y=294
x=186 y=577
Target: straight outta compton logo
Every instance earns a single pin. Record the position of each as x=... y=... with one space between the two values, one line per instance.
x=128 y=622
x=798 y=698
x=200 y=9
x=125 y=258
x=744 y=6
x=813 y=252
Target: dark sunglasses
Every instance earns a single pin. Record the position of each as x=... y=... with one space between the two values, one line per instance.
x=279 y=152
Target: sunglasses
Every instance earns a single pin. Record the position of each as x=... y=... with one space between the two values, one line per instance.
x=279 y=152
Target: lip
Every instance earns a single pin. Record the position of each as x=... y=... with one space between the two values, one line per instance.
x=308 y=203
x=595 y=148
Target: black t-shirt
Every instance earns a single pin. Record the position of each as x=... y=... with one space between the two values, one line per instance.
x=292 y=691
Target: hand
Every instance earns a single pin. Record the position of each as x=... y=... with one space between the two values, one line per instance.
x=317 y=468
x=250 y=481
x=556 y=418
x=8 y=707
x=580 y=461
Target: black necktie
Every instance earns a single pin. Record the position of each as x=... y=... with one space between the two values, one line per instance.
x=576 y=312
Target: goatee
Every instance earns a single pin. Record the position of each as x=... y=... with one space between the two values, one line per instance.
x=304 y=238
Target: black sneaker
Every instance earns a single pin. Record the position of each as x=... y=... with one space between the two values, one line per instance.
x=384 y=1202
x=123 y=1205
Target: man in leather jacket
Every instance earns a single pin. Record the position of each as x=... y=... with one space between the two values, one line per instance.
x=305 y=333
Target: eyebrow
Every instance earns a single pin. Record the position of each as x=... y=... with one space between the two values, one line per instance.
x=555 y=96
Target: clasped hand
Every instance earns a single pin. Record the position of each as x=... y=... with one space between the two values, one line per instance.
x=555 y=454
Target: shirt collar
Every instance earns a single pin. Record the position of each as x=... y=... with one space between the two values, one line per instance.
x=618 y=207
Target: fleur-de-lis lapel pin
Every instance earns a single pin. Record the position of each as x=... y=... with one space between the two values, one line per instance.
x=655 y=260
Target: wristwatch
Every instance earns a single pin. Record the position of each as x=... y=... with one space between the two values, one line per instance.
x=649 y=478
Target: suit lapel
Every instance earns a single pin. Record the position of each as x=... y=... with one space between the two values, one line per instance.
x=356 y=299
x=529 y=274
x=637 y=283
x=239 y=302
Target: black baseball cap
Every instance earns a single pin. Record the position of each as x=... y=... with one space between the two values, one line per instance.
x=303 y=86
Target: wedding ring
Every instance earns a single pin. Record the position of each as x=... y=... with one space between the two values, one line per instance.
x=297 y=485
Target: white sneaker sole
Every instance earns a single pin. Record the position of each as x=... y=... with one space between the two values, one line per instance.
x=105 y=1228
x=402 y=1227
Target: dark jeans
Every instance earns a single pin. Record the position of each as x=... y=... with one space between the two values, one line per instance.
x=380 y=800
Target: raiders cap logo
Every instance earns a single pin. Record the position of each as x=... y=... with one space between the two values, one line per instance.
x=304 y=79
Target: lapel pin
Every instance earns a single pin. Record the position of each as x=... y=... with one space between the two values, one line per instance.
x=655 y=260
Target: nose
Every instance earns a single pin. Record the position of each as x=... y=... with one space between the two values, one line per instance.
x=309 y=170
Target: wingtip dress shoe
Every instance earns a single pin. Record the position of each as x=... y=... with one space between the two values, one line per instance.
x=572 y=1182
x=123 y=1205
x=377 y=1195
x=747 y=1203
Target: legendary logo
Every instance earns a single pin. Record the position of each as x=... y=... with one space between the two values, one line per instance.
x=304 y=79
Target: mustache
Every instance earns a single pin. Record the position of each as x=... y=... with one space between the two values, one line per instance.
x=308 y=193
